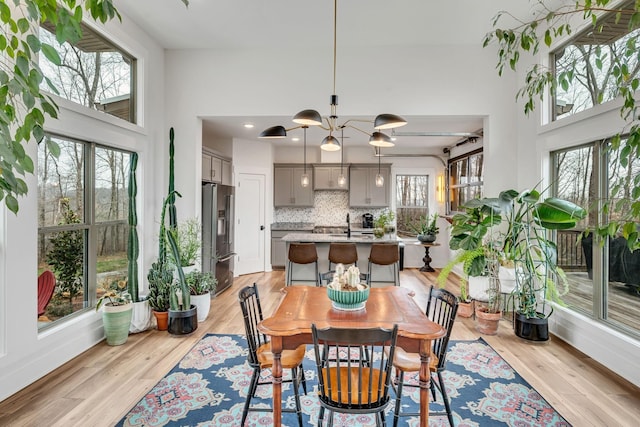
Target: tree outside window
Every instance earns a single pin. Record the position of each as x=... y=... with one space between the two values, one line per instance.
x=412 y=201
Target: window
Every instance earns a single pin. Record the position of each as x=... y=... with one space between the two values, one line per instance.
x=603 y=279
x=94 y=73
x=83 y=223
x=585 y=69
x=465 y=179
x=412 y=201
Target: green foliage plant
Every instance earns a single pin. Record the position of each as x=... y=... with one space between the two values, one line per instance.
x=116 y=296
x=200 y=283
x=23 y=105
x=425 y=225
x=385 y=218
x=187 y=237
x=552 y=23
x=66 y=255
x=132 y=246
x=160 y=278
x=515 y=227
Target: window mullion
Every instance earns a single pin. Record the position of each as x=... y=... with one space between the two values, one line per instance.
x=90 y=279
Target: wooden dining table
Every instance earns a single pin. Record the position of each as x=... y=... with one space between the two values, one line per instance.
x=301 y=306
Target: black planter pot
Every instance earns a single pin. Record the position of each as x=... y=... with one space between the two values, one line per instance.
x=534 y=329
x=183 y=322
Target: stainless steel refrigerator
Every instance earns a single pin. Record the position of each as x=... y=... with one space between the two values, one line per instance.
x=217 y=233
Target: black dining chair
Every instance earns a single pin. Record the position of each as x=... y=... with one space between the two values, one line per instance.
x=260 y=356
x=354 y=385
x=442 y=307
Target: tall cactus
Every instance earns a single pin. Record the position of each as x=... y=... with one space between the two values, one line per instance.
x=133 y=247
x=173 y=215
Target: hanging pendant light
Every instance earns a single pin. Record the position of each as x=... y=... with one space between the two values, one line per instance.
x=310 y=117
x=379 y=177
x=304 y=181
x=342 y=180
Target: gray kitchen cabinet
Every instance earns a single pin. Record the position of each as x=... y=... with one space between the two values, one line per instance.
x=213 y=170
x=227 y=178
x=325 y=177
x=287 y=187
x=362 y=186
x=278 y=248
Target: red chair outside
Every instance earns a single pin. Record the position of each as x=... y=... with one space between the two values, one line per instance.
x=46 y=286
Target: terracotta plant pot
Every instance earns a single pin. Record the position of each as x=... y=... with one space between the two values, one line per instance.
x=162 y=319
x=465 y=309
x=487 y=323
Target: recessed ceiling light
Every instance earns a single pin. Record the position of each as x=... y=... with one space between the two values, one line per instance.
x=393 y=138
x=295 y=139
x=248 y=125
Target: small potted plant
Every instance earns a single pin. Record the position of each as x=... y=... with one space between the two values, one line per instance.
x=201 y=285
x=426 y=228
x=116 y=312
x=160 y=278
x=384 y=223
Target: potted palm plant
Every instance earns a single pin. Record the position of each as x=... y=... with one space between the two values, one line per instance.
x=201 y=286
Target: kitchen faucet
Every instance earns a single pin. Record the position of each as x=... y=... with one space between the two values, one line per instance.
x=348 y=227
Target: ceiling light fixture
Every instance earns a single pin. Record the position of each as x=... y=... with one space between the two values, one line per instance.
x=248 y=125
x=304 y=181
x=342 y=181
x=379 y=177
x=313 y=118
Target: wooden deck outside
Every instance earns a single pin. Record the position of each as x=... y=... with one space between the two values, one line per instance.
x=624 y=301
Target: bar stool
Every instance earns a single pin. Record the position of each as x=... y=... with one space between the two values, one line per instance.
x=301 y=253
x=385 y=254
x=342 y=253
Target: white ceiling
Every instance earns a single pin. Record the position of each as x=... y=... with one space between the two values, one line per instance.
x=241 y=24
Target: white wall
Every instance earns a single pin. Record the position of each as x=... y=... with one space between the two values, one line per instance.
x=25 y=354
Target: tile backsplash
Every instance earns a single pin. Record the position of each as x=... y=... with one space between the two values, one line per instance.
x=330 y=208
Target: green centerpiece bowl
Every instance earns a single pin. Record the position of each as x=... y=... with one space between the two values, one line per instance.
x=348 y=300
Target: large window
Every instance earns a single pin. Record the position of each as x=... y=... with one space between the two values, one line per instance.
x=465 y=179
x=412 y=201
x=604 y=279
x=94 y=72
x=82 y=223
x=586 y=73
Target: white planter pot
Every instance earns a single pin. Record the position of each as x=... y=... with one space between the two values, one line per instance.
x=203 y=303
x=141 y=318
x=478 y=285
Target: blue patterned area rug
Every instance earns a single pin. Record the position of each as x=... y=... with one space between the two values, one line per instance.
x=208 y=388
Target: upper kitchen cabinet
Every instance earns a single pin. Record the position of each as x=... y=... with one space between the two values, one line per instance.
x=363 y=191
x=216 y=169
x=325 y=177
x=287 y=187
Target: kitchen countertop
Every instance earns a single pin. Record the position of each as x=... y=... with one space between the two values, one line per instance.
x=328 y=238
x=292 y=226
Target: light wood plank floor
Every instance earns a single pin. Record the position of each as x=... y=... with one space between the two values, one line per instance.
x=101 y=385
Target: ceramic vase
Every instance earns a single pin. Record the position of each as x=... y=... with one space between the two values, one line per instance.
x=203 y=303
x=140 y=317
x=116 y=320
x=183 y=322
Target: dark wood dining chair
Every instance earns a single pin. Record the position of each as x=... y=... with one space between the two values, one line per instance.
x=354 y=385
x=442 y=307
x=260 y=356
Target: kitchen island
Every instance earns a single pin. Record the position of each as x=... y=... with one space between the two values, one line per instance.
x=304 y=274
